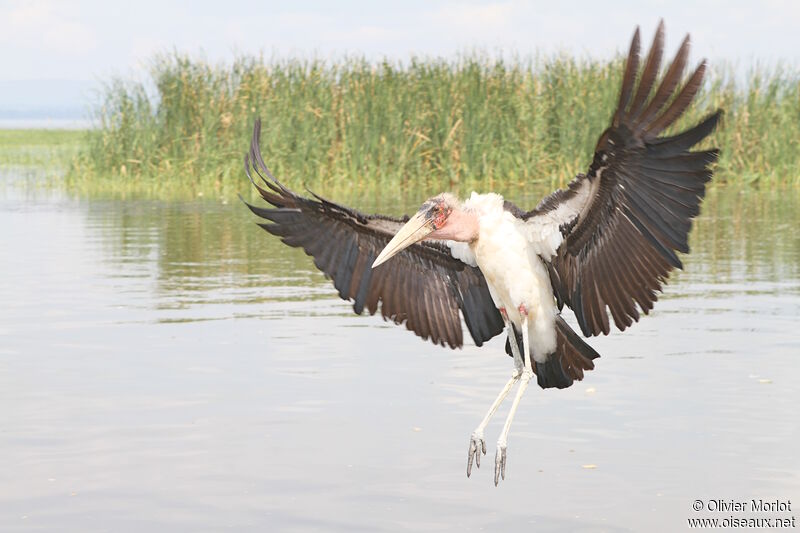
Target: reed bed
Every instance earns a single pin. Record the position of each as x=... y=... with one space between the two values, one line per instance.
x=473 y=121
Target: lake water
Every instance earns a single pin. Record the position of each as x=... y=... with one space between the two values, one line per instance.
x=168 y=366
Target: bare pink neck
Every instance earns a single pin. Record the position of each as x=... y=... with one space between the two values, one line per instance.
x=461 y=226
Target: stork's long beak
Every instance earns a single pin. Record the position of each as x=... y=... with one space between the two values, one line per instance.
x=416 y=229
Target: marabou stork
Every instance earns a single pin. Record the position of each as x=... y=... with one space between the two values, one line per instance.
x=605 y=245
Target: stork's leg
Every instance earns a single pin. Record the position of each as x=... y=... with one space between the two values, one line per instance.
x=477 y=444
x=527 y=374
x=512 y=340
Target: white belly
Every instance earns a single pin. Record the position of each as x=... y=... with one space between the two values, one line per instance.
x=517 y=276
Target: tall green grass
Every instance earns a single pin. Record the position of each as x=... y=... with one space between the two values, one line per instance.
x=474 y=121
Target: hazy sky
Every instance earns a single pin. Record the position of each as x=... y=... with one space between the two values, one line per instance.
x=90 y=39
x=75 y=44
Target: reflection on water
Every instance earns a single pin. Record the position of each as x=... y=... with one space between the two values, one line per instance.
x=170 y=367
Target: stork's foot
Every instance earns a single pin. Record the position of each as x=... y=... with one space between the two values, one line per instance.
x=500 y=462
x=476 y=446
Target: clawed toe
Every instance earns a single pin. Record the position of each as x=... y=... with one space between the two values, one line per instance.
x=477 y=446
x=499 y=464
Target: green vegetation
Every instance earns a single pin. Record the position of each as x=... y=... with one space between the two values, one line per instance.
x=45 y=149
x=436 y=124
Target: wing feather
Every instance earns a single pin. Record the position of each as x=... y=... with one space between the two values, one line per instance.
x=667 y=87
x=629 y=78
x=650 y=71
x=680 y=104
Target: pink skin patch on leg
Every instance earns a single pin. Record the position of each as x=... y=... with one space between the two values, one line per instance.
x=523 y=310
x=503 y=313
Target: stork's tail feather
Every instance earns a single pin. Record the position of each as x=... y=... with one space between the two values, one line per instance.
x=567 y=363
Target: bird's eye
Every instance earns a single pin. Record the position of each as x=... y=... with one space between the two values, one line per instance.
x=441 y=216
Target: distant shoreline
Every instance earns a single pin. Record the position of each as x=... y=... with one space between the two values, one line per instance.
x=44 y=124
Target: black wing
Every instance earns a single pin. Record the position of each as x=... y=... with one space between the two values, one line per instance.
x=423 y=286
x=623 y=221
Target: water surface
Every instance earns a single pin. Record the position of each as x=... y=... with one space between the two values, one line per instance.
x=168 y=366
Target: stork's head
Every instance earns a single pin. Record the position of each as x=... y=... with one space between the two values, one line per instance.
x=440 y=217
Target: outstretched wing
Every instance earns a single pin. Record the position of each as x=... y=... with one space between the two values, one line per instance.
x=423 y=286
x=620 y=224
